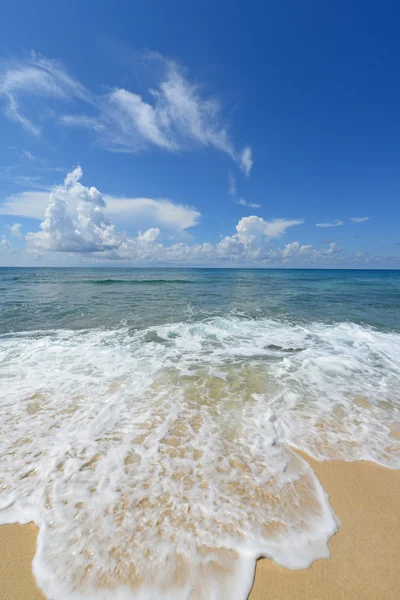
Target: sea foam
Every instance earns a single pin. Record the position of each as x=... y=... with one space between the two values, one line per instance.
x=157 y=463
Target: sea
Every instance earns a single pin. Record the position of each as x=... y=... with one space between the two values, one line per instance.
x=150 y=419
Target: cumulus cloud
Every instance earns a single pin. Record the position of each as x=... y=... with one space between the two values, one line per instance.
x=163 y=213
x=295 y=249
x=5 y=246
x=175 y=114
x=89 y=232
x=254 y=229
x=333 y=248
x=76 y=221
x=331 y=224
x=358 y=219
x=149 y=236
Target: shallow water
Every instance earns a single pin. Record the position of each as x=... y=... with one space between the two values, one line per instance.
x=147 y=418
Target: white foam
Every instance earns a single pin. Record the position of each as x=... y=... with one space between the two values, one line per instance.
x=156 y=463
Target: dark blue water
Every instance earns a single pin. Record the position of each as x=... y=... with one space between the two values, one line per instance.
x=81 y=298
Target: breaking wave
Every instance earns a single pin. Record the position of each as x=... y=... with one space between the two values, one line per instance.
x=157 y=463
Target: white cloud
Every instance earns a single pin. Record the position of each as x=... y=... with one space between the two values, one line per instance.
x=13 y=112
x=161 y=212
x=5 y=246
x=295 y=249
x=246 y=160
x=176 y=114
x=182 y=109
x=92 y=123
x=358 y=219
x=30 y=204
x=149 y=236
x=28 y=155
x=333 y=248
x=331 y=224
x=144 y=211
x=338 y=222
x=37 y=76
x=89 y=232
x=139 y=122
x=15 y=229
x=253 y=230
x=76 y=221
x=232 y=191
x=244 y=202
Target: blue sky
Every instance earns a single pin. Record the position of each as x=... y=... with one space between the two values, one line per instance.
x=212 y=133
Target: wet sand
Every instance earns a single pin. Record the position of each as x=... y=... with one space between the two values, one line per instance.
x=17 y=549
x=365 y=553
x=364 y=563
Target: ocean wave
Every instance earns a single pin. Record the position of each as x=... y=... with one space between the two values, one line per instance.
x=136 y=281
x=171 y=446
x=108 y=281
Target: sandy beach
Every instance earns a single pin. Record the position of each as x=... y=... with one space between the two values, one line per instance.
x=364 y=553
x=364 y=562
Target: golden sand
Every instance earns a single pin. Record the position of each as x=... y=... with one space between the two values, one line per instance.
x=17 y=549
x=365 y=553
x=364 y=563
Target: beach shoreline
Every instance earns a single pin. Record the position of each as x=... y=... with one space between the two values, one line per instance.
x=362 y=566
x=364 y=552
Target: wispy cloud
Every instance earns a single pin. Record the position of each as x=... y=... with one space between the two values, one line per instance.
x=246 y=160
x=232 y=191
x=28 y=155
x=36 y=76
x=244 y=202
x=84 y=121
x=331 y=224
x=358 y=219
x=338 y=222
x=176 y=114
x=31 y=181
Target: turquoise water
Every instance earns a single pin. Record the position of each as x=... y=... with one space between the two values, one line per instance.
x=90 y=298
x=148 y=419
